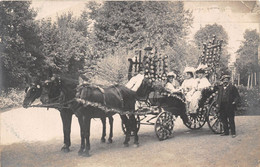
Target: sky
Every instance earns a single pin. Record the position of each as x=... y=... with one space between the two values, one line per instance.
x=53 y=8
x=234 y=16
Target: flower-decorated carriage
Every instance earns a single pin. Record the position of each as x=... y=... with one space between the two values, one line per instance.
x=164 y=106
x=91 y=101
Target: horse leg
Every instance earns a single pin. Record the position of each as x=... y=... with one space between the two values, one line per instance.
x=66 y=117
x=103 y=120
x=134 y=128
x=87 y=123
x=82 y=134
x=128 y=130
x=111 y=120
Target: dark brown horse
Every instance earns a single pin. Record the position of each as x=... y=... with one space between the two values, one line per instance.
x=61 y=90
x=108 y=101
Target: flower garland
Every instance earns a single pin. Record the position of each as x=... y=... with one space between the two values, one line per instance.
x=173 y=95
x=140 y=111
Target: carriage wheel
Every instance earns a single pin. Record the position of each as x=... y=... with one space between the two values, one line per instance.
x=213 y=119
x=164 y=125
x=138 y=125
x=197 y=120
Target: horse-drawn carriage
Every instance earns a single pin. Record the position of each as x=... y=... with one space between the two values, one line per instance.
x=164 y=107
x=90 y=101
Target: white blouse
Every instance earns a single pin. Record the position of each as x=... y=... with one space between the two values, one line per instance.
x=203 y=83
x=189 y=84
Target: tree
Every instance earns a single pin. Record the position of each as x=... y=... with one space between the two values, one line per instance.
x=20 y=55
x=65 y=43
x=247 y=61
x=206 y=33
x=135 y=24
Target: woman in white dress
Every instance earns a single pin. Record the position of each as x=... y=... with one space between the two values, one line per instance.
x=202 y=83
x=189 y=84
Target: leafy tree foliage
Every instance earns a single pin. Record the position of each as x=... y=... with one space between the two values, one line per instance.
x=247 y=61
x=65 y=43
x=137 y=24
x=71 y=45
x=19 y=43
x=206 y=33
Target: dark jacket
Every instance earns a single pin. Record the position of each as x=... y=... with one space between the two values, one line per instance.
x=232 y=95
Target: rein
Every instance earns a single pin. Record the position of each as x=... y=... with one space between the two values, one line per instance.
x=54 y=105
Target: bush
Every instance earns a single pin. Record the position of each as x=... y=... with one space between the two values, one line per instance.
x=250 y=99
x=11 y=98
x=112 y=70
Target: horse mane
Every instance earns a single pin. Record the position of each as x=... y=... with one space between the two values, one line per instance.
x=68 y=86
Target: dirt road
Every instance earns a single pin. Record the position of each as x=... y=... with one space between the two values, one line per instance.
x=33 y=138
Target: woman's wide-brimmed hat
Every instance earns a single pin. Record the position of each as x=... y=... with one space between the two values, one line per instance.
x=189 y=69
x=200 y=71
x=201 y=68
x=171 y=74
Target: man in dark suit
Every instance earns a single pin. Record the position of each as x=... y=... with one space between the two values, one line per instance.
x=228 y=98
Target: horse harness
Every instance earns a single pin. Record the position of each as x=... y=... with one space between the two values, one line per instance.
x=104 y=96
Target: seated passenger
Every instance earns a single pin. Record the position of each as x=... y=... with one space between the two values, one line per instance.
x=189 y=84
x=135 y=82
x=202 y=83
x=172 y=84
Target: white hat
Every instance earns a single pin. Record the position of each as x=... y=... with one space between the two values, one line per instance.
x=189 y=69
x=171 y=74
x=201 y=68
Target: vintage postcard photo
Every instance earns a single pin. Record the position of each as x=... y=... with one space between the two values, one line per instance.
x=129 y=83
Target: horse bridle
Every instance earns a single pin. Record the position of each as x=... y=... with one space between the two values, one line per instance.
x=35 y=93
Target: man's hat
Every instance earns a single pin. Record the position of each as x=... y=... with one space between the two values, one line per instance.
x=171 y=74
x=225 y=76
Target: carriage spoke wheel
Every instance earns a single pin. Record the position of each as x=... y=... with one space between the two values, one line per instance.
x=214 y=119
x=197 y=120
x=138 y=125
x=164 y=125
